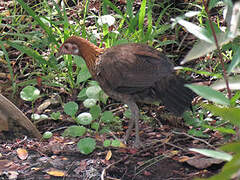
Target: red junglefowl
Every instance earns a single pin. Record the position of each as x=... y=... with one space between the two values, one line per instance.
x=132 y=73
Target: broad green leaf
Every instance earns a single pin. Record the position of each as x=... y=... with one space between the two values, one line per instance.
x=197 y=31
x=231 y=147
x=201 y=48
x=82 y=94
x=55 y=115
x=95 y=126
x=198 y=133
x=213 y=154
x=71 y=108
x=29 y=93
x=83 y=75
x=84 y=118
x=95 y=111
x=107 y=117
x=86 y=145
x=234 y=83
x=209 y=94
x=231 y=114
x=74 y=131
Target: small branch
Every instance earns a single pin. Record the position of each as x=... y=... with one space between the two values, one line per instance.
x=218 y=49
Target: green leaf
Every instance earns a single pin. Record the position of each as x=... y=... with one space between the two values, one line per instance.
x=106 y=19
x=90 y=102
x=82 y=94
x=234 y=83
x=226 y=113
x=198 y=133
x=86 y=145
x=201 y=48
x=235 y=61
x=83 y=76
x=209 y=94
x=221 y=129
x=29 y=93
x=74 y=131
x=71 y=108
x=47 y=135
x=93 y=92
x=142 y=15
x=116 y=143
x=213 y=154
x=55 y=115
x=107 y=117
x=95 y=126
x=107 y=143
x=84 y=118
x=95 y=111
x=197 y=31
x=231 y=147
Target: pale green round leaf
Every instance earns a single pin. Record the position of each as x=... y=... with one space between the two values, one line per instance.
x=29 y=93
x=89 y=102
x=86 y=145
x=35 y=116
x=106 y=19
x=107 y=143
x=93 y=92
x=47 y=135
x=84 y=118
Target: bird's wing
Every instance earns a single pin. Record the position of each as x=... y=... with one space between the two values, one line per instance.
x=133 y=67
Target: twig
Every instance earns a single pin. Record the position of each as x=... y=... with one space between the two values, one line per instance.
x=183 y=133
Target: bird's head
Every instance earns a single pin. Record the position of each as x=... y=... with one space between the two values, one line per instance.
x=68 y=48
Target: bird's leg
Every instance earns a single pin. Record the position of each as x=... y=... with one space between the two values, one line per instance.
x=134 y=118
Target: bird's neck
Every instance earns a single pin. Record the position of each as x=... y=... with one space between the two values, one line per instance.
x=90 y=53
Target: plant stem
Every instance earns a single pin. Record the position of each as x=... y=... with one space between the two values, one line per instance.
x=219 y=50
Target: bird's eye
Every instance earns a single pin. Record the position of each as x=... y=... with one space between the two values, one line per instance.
x=67 y=47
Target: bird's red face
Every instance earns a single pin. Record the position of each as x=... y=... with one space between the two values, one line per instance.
x=68 y=48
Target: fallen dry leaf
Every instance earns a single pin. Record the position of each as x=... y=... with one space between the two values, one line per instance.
x=56 y=172
x=22 y=153
x=203 y=163
x=109 y=155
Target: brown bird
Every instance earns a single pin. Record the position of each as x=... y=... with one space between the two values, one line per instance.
x=132 y=73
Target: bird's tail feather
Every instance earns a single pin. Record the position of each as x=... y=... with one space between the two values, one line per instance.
x=175 y=96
